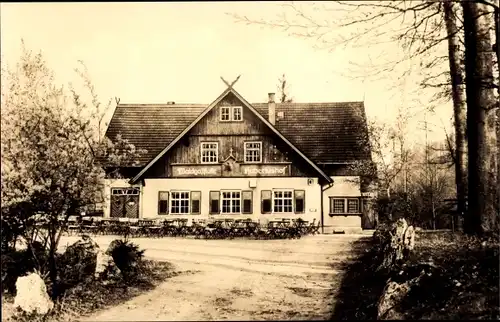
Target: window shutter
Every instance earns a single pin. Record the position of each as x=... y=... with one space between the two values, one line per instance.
x=247 y=202
x=163 y=202
x=195 y=202
x=214 y=202
x=300 y=200
x=266 y=201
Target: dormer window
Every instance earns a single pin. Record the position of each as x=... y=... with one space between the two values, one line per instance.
x=231 y=113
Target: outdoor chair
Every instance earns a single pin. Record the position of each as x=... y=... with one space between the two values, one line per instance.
x=169 y=229
x=316 y=228
x=86 y=225
x=123 y=228
x=97 y=226
x=155 y=229
x=198 y=228
x=73 y=225
x=182 y=228
x=134 y=229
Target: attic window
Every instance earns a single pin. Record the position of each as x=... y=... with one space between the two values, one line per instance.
x=237 y=113
x=231 y=113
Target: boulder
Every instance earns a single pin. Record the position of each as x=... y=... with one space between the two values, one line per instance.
x=102 y=262
x=409 y=238
x=397 y=243
x=78 y=262
x=31 y=296
x=391 y=297
x=389 y=304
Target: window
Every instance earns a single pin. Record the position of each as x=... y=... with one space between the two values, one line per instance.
x=247 y=202
x=266 y=201
x=253 y=152
x=299 y=201
x=231 y=113
x=237 y=113
x=179 y=202
x=195 y=202
x=283 y=201
x=209 y=152
x=163 y=202
x=214 y=202
x=344 y=205
x=337 y=206
x=231 y=202
x=225 y=113
x=125 y=191
x=352 y=206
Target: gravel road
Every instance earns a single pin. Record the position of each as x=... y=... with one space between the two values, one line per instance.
x=239 y=279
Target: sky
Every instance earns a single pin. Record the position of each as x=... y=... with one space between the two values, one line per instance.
x=159 y=52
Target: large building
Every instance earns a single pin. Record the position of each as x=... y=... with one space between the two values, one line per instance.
x=233 y=159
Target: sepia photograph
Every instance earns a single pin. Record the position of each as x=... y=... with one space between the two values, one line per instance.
x=241 y=161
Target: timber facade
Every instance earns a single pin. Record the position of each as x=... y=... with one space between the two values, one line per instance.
x=240 y=160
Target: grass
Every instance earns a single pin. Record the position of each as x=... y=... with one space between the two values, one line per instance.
x=91 y=296
x=464 y=285
x=467 y=284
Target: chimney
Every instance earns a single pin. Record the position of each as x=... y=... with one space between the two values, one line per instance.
x=271 y=106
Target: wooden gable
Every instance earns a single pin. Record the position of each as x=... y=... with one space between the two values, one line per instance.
x=182 y=156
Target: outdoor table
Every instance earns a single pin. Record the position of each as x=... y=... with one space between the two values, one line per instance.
x=169 y=227
x=181 y=226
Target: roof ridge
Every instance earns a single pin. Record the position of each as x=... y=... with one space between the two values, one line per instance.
x=259 y=103
x=161 y=105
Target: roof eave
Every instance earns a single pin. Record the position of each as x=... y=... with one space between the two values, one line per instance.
x=208 y=109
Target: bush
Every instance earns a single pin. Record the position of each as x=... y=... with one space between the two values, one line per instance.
x=77 y=263
x=127 y=257
x=20 y=263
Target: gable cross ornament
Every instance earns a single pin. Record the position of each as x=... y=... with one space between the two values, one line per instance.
x=230 y=86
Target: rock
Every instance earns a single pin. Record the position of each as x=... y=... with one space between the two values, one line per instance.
x=32 y=295
x=392 y=295
x=102 y=262
x=409 y=238
x=78 y=262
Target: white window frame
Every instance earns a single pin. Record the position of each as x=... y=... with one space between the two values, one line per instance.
x=332 y=205
x=231 y=199
x=291 y=191
x=346 y=201
x=172 y=199
x=209 y=149
x=231 y=111
x=357 y=206
x=222 y=110
x=246 y=148
x=125 y=191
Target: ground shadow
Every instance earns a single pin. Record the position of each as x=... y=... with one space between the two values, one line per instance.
x=360 y=287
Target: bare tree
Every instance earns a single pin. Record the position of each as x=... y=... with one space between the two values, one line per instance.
x=283 y=90
x=481 y=124
x=459 y=108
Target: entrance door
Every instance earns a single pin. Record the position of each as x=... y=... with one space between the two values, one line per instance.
x=125 y=202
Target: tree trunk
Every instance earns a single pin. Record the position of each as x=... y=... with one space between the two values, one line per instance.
x=481 y=111
x=458 y=95
x=52 y=260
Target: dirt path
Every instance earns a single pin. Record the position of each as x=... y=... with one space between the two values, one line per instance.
x=239 y=279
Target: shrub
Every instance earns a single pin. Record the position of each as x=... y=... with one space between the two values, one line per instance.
x=127 y=257
x=20 y=263
x=77 y=263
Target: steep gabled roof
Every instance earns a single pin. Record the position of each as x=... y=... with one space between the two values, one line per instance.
x=205 y=112
x=333 y=133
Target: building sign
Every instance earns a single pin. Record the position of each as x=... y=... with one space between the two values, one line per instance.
x=196 y=171
x=267 y=170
